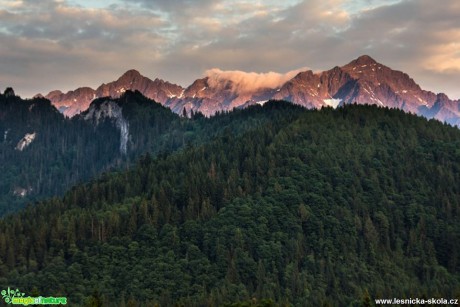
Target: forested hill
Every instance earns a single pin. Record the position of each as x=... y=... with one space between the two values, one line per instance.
x=309 y=208
x=42 y=153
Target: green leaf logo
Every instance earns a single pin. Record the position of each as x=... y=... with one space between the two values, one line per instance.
x=9 y=294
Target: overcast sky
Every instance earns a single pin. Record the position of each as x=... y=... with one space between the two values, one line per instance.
x=59 y=44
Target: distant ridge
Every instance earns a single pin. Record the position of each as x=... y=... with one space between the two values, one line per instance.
x=77 y=101
x=362 y=81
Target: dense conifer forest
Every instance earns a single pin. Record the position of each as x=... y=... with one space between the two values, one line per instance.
x=273 y=205
x=67 y=151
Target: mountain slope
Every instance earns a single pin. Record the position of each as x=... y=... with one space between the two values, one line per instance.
x=326 y=207
x=366 y=81
x=363 y=81
x=44 y=153
x=158 y=90
x=77 y=101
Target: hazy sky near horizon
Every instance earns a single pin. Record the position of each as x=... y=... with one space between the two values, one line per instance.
x=60 y=44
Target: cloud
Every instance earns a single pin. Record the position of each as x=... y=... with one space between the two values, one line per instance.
x=418 y=37
x=74 y=45
x=445 y=56
x=244 y=82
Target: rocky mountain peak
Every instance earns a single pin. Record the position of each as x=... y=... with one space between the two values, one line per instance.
x=130 y=75
x=363 y=60
x=196 y=86
x=54 y=93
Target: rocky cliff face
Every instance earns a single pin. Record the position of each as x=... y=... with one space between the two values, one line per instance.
x=25 y=141
x=158 y=90
x=72 y=102
x=363 y=81
x=77 y=101
x=109 y=109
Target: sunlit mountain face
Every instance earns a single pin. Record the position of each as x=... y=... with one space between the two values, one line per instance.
x=362 y=81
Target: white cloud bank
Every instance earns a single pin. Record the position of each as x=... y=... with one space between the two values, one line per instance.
x=243 y=82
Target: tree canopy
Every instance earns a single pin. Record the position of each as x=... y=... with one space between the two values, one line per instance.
x=289 y=207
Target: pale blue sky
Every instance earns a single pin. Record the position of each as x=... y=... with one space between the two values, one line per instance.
x=59 y=44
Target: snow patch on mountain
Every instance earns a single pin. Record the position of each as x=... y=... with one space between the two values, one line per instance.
x=421 y=100
x=377 y=100
x=332 y=102
x=171 y=95
x=262 y=102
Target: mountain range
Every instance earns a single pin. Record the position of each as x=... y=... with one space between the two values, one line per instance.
x=362 y=81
